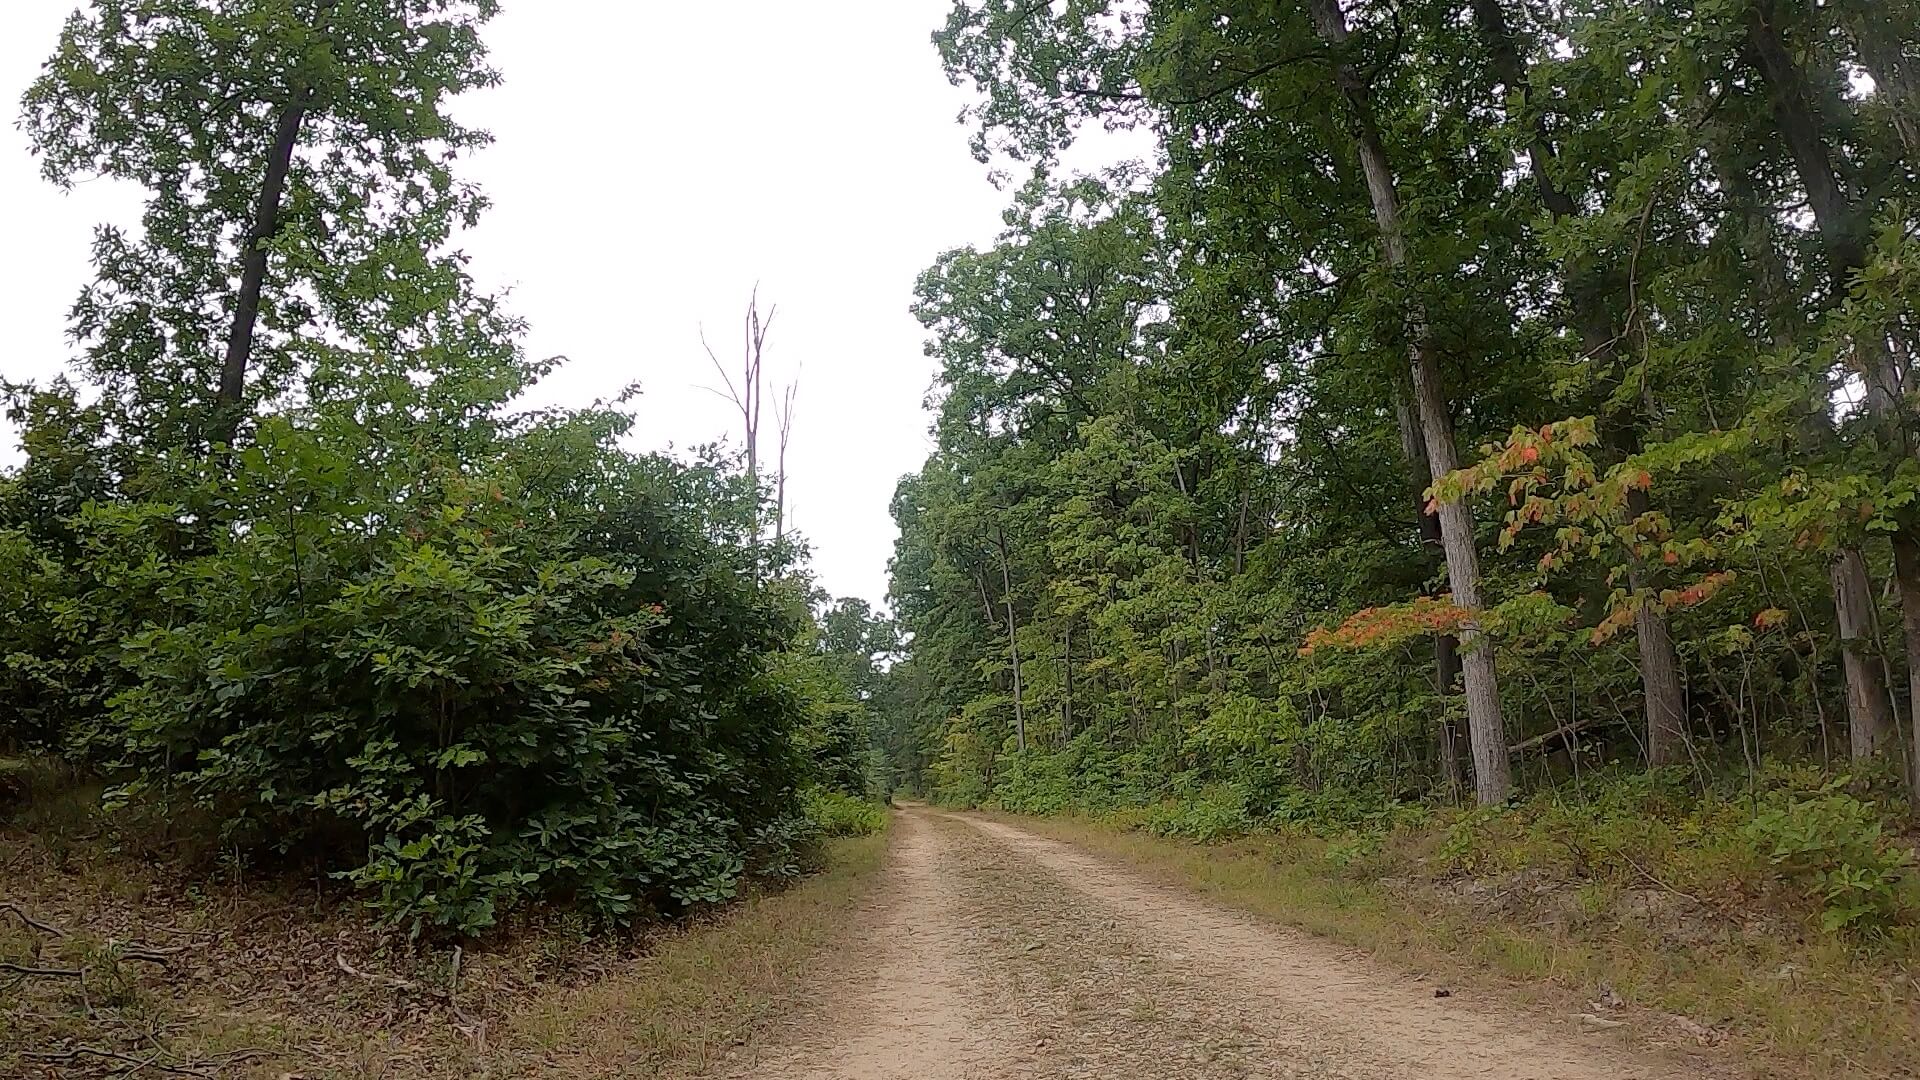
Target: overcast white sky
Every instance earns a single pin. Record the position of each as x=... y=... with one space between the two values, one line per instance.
x=654 y=160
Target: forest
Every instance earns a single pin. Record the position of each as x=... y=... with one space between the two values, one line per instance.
x=1469 y=399
x=288 y=562
x=1477 y=442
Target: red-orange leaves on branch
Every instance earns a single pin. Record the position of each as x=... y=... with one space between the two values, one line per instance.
x=1625 y=605
x=1552 y=479
x=1699 y=592
x=1377 y=627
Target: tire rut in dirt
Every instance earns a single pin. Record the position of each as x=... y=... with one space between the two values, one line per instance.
x=910 y=996
x=1123 y=978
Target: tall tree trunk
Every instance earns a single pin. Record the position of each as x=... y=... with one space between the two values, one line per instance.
x=1013 y=644
x=1869 y=713
x=1869 y=709
x=1455 y=753
x=1834 y=213
x=229 y=403
x=1842 y=225
x=1066 y=707
x=1659 y=678
x=1486 y=729
x=1661 y=690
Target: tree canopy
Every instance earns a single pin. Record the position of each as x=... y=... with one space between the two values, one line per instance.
x=1464 y=394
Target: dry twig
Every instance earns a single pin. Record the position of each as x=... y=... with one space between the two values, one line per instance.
x=62 y=973
x=394 y=982
x=21 y=914
x=94 y=1051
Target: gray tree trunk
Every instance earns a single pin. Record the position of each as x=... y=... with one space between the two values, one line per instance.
x=1013 y=645
x=1869 y=709
x=1486 y=729
x=1869 y=712
x=1455 y=753
x=1659 y=680
x=1841 y=224
x=1663 y=697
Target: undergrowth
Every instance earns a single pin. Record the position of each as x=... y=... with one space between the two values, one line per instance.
x=1780 y=911
x=836 y=813
x=1811 y=845
x=195 y=959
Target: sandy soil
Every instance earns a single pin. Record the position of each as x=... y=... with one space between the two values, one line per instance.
x=994 y=954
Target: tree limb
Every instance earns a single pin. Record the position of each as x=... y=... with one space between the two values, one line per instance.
x=21 y=914
x=51 y=973
x=153 y=1062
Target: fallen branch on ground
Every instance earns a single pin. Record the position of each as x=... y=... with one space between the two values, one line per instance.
x=132 y=950
x=1561 y=732
x=1655 y=879
x=394 y=982
x=21 y=914
x=94 y=1051
x=61 y=973
x=150 y=954
x=473 y=1029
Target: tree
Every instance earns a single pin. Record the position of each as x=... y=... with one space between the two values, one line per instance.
x=1842 y=223
x=465 y=655
x=1344 y=293
x=293 y=154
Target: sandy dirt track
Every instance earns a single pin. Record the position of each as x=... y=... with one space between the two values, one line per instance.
x=990 y=953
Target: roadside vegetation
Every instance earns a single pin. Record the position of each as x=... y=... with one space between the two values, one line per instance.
x=1468 y=471
x=124 y=944
x=351 y=701
x=1665 y=917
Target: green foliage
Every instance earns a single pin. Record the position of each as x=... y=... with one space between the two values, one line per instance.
x=583 y=709
x=1215 y=814
x=1175 y=553
x=184 y=98
x=836 y=813
x=1727 y=845
x=464 y=655
x=1834 y=843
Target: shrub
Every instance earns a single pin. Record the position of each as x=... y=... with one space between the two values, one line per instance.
x=836 y=813
x=1216 y=814
x=1833 y=844
x=538 y=668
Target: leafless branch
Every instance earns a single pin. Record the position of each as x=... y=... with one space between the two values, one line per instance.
x=153 y=1062
x=21 y=914
x=40 y=972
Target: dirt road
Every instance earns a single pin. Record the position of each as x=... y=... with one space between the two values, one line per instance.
x=989 y=953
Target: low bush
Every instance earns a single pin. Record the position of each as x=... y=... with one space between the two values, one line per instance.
x=836 y=813
x=1215 y=814
x=1815 y=844
x=1834 y=845
x=485 y=665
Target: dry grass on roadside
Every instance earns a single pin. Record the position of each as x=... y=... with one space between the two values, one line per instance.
x=116 y=960
x=699 y=994
x=1789 y=1003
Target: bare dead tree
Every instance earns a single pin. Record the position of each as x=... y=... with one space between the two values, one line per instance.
x=751 y=390
x=783 y=417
